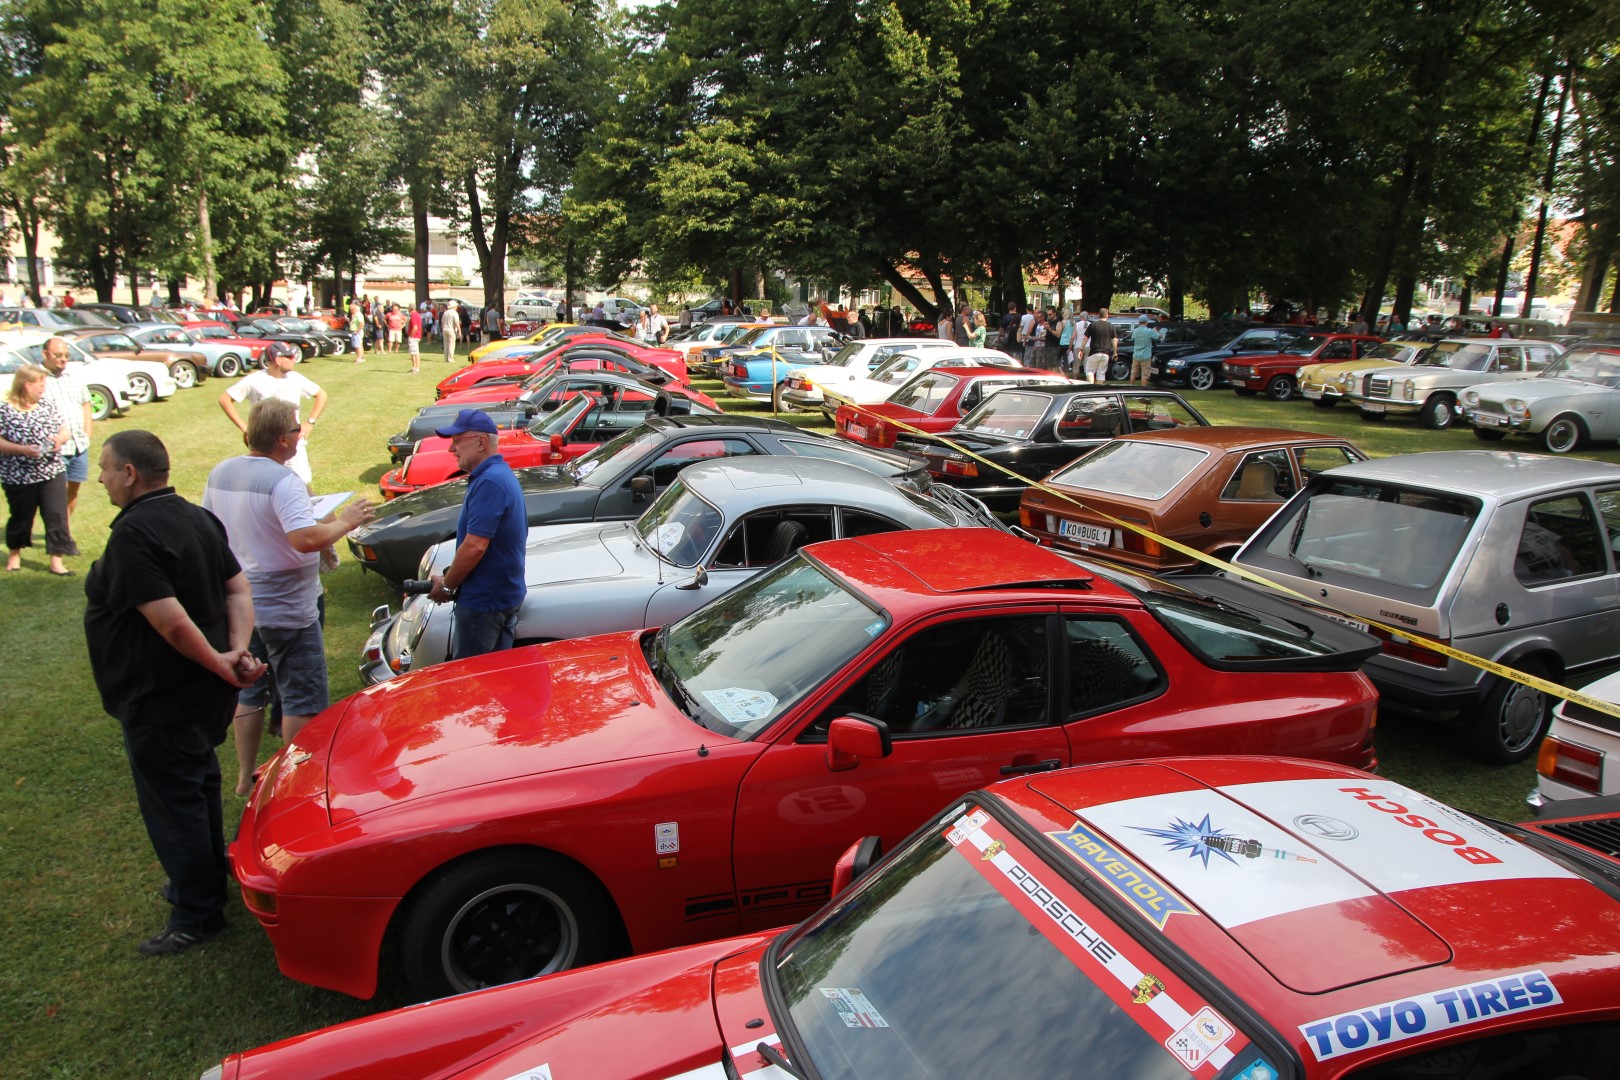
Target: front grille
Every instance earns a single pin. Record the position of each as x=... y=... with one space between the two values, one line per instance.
x=1376 y=386
x=1600 y=834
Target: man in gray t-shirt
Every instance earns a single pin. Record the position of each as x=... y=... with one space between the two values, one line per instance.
x=274 y=535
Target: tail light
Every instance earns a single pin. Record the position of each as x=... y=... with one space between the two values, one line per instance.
x=1136 y=543
x=1027 y=519
x=1402 y=648
x=1571 y=763
x=961 y=468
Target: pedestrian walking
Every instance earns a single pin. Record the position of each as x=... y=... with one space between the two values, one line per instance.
x=450 y=330
x=1100 y=347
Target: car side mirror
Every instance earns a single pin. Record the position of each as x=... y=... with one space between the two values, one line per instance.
x=556 y=444
x=640 y=488
x=853 y=864
x=551 y=406
x=530 y=408
x=700 y=579
x=856 y=736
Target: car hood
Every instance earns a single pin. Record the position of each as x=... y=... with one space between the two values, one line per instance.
x=822 y=374
x=525 y=711
x=536 y=480
x=1535 y=389
x=568 y=1025
x=581 y=554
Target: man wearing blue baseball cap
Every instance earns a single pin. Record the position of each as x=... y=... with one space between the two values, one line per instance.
x=485 y=578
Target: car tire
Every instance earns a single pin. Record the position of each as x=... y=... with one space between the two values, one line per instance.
x=142 y=390
x=1512 y=718
x=1201 y=377
x=103 y=403
x=1487 y=435
x=1437 y=414
x=777 y=403
x=185 y=374
x=501 y=916
x=1375 y=417
x=1562 y=435
x=229 y=366
x=1119 y=370
x=1282 y=388
x=1325 y=402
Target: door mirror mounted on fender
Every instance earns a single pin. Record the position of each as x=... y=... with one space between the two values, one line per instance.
x=862 y=855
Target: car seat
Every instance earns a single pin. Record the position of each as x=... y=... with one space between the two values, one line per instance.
x=1258 y=482
x=789 y=536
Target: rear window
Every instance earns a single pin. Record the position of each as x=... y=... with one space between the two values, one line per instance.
x=926 y=393
x=1009 y=413
x=1141 y=470
x=1389 y=541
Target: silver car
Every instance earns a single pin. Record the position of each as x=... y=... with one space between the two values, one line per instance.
x=716 y=526
x=1575 y=399
x=1430 y=388
x=1510 y=557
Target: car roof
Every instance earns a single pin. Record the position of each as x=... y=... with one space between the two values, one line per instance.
x=1494 y=475
x=999 y=372
x=899 y=569
x=728 y=420
x=1232 y=437
x=817 y=478
x=1076 y=387
x=1481 y=339
x=1345 y=891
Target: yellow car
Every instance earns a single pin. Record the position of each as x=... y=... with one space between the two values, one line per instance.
x=1324 y=384
x=539 y=337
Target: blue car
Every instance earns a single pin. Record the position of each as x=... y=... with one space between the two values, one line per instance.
x=800 y=344
x=754 y=374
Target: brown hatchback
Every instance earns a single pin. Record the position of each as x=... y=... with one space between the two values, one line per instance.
x=1207 y=488
x=186 y=367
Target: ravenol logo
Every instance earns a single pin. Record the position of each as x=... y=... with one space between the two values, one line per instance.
x=1135 y=885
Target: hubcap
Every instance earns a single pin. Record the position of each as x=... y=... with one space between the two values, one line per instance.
x=1522 y=710
x=1561 y=435
x=507 y=933
x=1201 y=378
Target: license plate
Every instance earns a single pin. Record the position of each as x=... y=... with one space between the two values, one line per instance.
x=1354 y=624
x=857 y=431
x=1309 y=394
x=1488 y=420
x=1086 y=534
x=1370 y=406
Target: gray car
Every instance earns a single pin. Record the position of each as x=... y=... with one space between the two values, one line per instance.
x=1509 y=557
x=1430 y=388
x=1575 y=399
x=716 y=526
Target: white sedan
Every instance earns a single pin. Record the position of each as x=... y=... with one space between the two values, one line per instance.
x=899 y=368
x=802 y=388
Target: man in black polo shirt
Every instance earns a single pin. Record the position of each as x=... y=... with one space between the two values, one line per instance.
x=168 y=621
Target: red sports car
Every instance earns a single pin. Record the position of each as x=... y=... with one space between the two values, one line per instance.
x=584 y=421
x=510 y=380
x=519 y=363
x=553 y=805
x=222 y=334
x=1212 y=918
x=933 y=400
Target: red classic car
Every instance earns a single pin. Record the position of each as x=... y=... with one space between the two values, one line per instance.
x=1278 y=373
x=553 y=805
x=1207 y=488
x=507 y=381
x=518 y=363
x=583 y=421
x=933 y=400
x=1214 y=918
x=220 y=333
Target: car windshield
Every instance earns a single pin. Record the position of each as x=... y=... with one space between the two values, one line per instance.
x=1457 y=355
x=751 y=337
x=966 y=955
x=82 y=318
x=1009 y=413
x=740 y=662
x=895 y=368
x=926 y=393
x=680 y=526
x=1381 y=535
x=561 y=420
x=613 y=454
x=1141 y=470
x=1392 y=350
x=298 y=325
x=845 y=357
x=1305 y=346
x=1600 y=367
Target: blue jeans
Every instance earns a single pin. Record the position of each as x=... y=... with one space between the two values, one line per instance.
x=474 y=633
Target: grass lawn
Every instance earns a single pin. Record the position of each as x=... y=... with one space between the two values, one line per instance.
x=78 y=881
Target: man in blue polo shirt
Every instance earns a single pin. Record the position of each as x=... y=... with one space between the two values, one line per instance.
x=485 y=579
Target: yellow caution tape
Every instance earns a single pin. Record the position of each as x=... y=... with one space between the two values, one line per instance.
x=1545 y=686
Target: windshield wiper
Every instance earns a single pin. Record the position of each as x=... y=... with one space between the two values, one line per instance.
x=1295 y=537
x=772 y=1055
x=683 y=698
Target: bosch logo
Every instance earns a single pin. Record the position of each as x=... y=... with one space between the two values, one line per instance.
x=1324 y=827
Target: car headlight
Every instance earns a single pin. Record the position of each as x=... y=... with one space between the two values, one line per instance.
x=1471 y=398
x=1517 y=405
x=1177 y=363
x=1408 y=390
x=1342 y=378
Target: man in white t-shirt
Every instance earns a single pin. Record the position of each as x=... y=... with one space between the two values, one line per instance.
x=271 y=528
x=278 y=380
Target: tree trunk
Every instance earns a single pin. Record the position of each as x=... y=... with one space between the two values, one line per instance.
x=174 y=292
x=1513 y=218
x=1178 y=296
x=205 y=237
x=475 y=221
x=891 y=273
x=568 y=278
x=1405 y=287
x=1547 y=180
x=1465 y=299
x=1600 y=249
x=419 y=255
x=31 y=253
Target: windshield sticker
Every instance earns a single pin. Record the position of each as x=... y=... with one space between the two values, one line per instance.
x=1261 y=1069
x=739 y=706
x=1152 y=1001
x=875 y=629
x=1202 y=1036
x=667 y=535
x=1126 y=877
x=853 y=1008
x=1458 y=1006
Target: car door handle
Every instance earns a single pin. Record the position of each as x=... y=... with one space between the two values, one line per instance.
x=1049 y=765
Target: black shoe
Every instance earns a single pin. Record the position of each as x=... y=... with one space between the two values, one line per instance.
x=171 y=941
